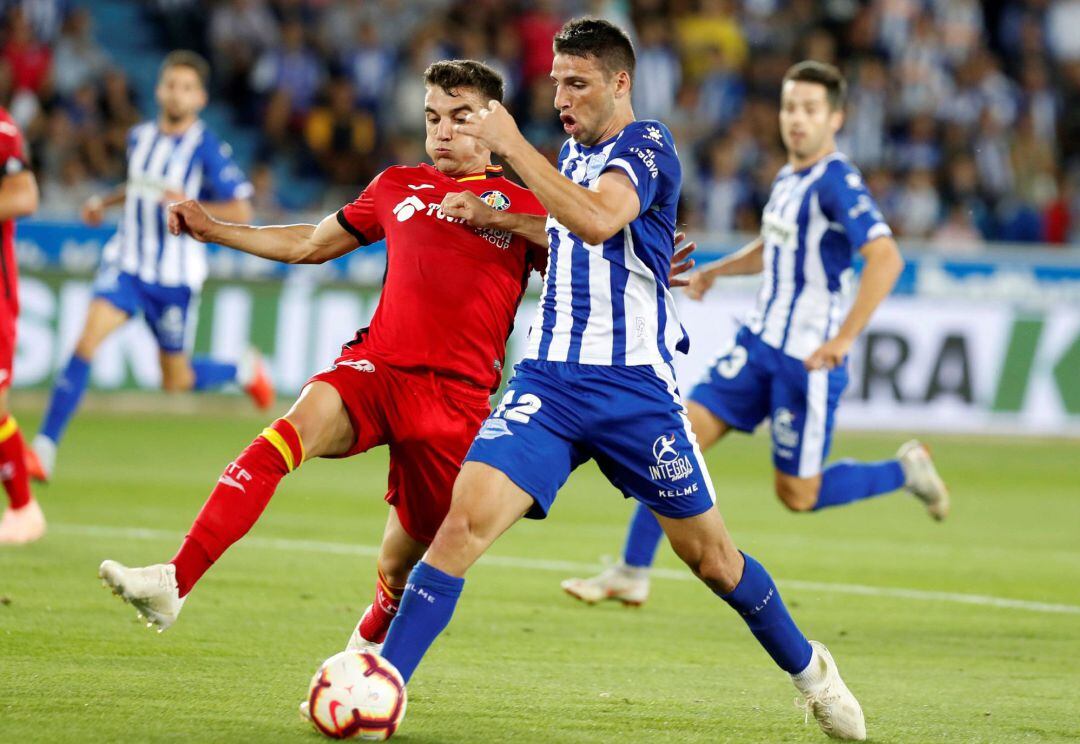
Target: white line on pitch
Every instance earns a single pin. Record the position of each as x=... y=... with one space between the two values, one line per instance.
x=570 y=567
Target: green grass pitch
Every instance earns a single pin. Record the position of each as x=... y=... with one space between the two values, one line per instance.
x=521 y=661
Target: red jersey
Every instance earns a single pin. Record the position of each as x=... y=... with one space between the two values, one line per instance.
x=12 y=161
x=451 y=291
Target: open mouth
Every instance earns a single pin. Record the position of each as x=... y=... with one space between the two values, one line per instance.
x=569 y=123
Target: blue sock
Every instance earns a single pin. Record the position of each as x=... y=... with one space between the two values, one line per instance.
x=66 y=394
x=211 y=374
x=848 y=480
x=642 y=539
x=757 y=599
x=427 y=605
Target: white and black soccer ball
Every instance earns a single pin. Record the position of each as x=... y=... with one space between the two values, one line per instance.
x=356 y=694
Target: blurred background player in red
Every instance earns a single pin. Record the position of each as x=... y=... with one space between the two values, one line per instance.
x=22 y=521
x=461 y=243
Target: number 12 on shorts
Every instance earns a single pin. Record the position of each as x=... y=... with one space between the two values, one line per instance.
x=519 y=411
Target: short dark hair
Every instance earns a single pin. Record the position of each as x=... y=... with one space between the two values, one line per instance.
x=466 y=73
x=593 y=37
x=821 y=73
x=192 y=60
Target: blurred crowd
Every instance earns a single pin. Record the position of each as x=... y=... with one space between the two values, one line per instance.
x=963 y=115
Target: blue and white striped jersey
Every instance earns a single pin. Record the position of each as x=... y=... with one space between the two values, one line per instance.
x=610 y=303
x=814 y=222
x=195 y=163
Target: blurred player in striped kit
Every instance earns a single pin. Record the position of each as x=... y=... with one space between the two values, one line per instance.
x=146 y=270
x=788 y=361
x=22 y=521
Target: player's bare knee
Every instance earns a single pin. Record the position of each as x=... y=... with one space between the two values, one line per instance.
x=173 y=384
x=457 y=531
x=718 y=570
x=456 y=545
x=86 y=347
x=797 y=494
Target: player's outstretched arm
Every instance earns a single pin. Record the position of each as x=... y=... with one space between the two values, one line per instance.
x=465 y=205
x=237 y=211
x=746 y=260
x=93 y=209
x=883 y=266
x=234 y=210
x=18 y=195
x=285 y=243
x=594 y=215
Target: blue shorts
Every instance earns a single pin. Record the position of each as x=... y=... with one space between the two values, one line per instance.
x=558 y=415
x=171 y=312
x=752 y=381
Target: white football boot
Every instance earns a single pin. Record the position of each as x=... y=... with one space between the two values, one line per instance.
x=151 y=590
x=922 y=479
x=626 y=584
x=23 y=525
x=357 y=642
x=826 y=696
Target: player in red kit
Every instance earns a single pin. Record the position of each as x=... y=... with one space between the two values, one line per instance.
x=417 y=379
x=22 y=521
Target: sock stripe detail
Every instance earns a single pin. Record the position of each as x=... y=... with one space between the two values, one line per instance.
x=274 y=438
x=8 y=428
x=288 y=432
x=394 y=592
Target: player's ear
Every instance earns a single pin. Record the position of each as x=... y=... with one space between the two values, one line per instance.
x=836 y=120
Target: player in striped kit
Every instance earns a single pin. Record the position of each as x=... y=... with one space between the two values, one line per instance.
x=146 y=270
x=597 y=382
x=789 y=360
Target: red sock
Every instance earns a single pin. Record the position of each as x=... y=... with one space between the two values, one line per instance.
x=13 y=463
x=375 y=622
x=236 y=502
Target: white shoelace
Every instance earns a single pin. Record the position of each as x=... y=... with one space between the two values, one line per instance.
x=808 y=704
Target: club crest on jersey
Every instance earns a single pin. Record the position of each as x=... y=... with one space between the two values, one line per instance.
x=497 y=200
x=670 y=465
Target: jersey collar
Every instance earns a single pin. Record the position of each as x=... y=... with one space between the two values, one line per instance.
x=491 y=171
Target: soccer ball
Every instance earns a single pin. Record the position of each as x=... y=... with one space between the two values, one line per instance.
x=357 y=694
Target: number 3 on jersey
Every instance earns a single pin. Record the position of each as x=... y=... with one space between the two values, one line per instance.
x=519 y=412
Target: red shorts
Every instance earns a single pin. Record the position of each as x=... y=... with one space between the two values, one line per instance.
x=8 y=321
x=428 y=420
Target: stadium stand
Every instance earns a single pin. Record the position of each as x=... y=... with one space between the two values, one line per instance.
x=964 y=116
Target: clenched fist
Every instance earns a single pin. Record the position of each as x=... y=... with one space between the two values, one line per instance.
x=465 y=205
x=93 y=211
x=493 y=127
x=190 y=217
